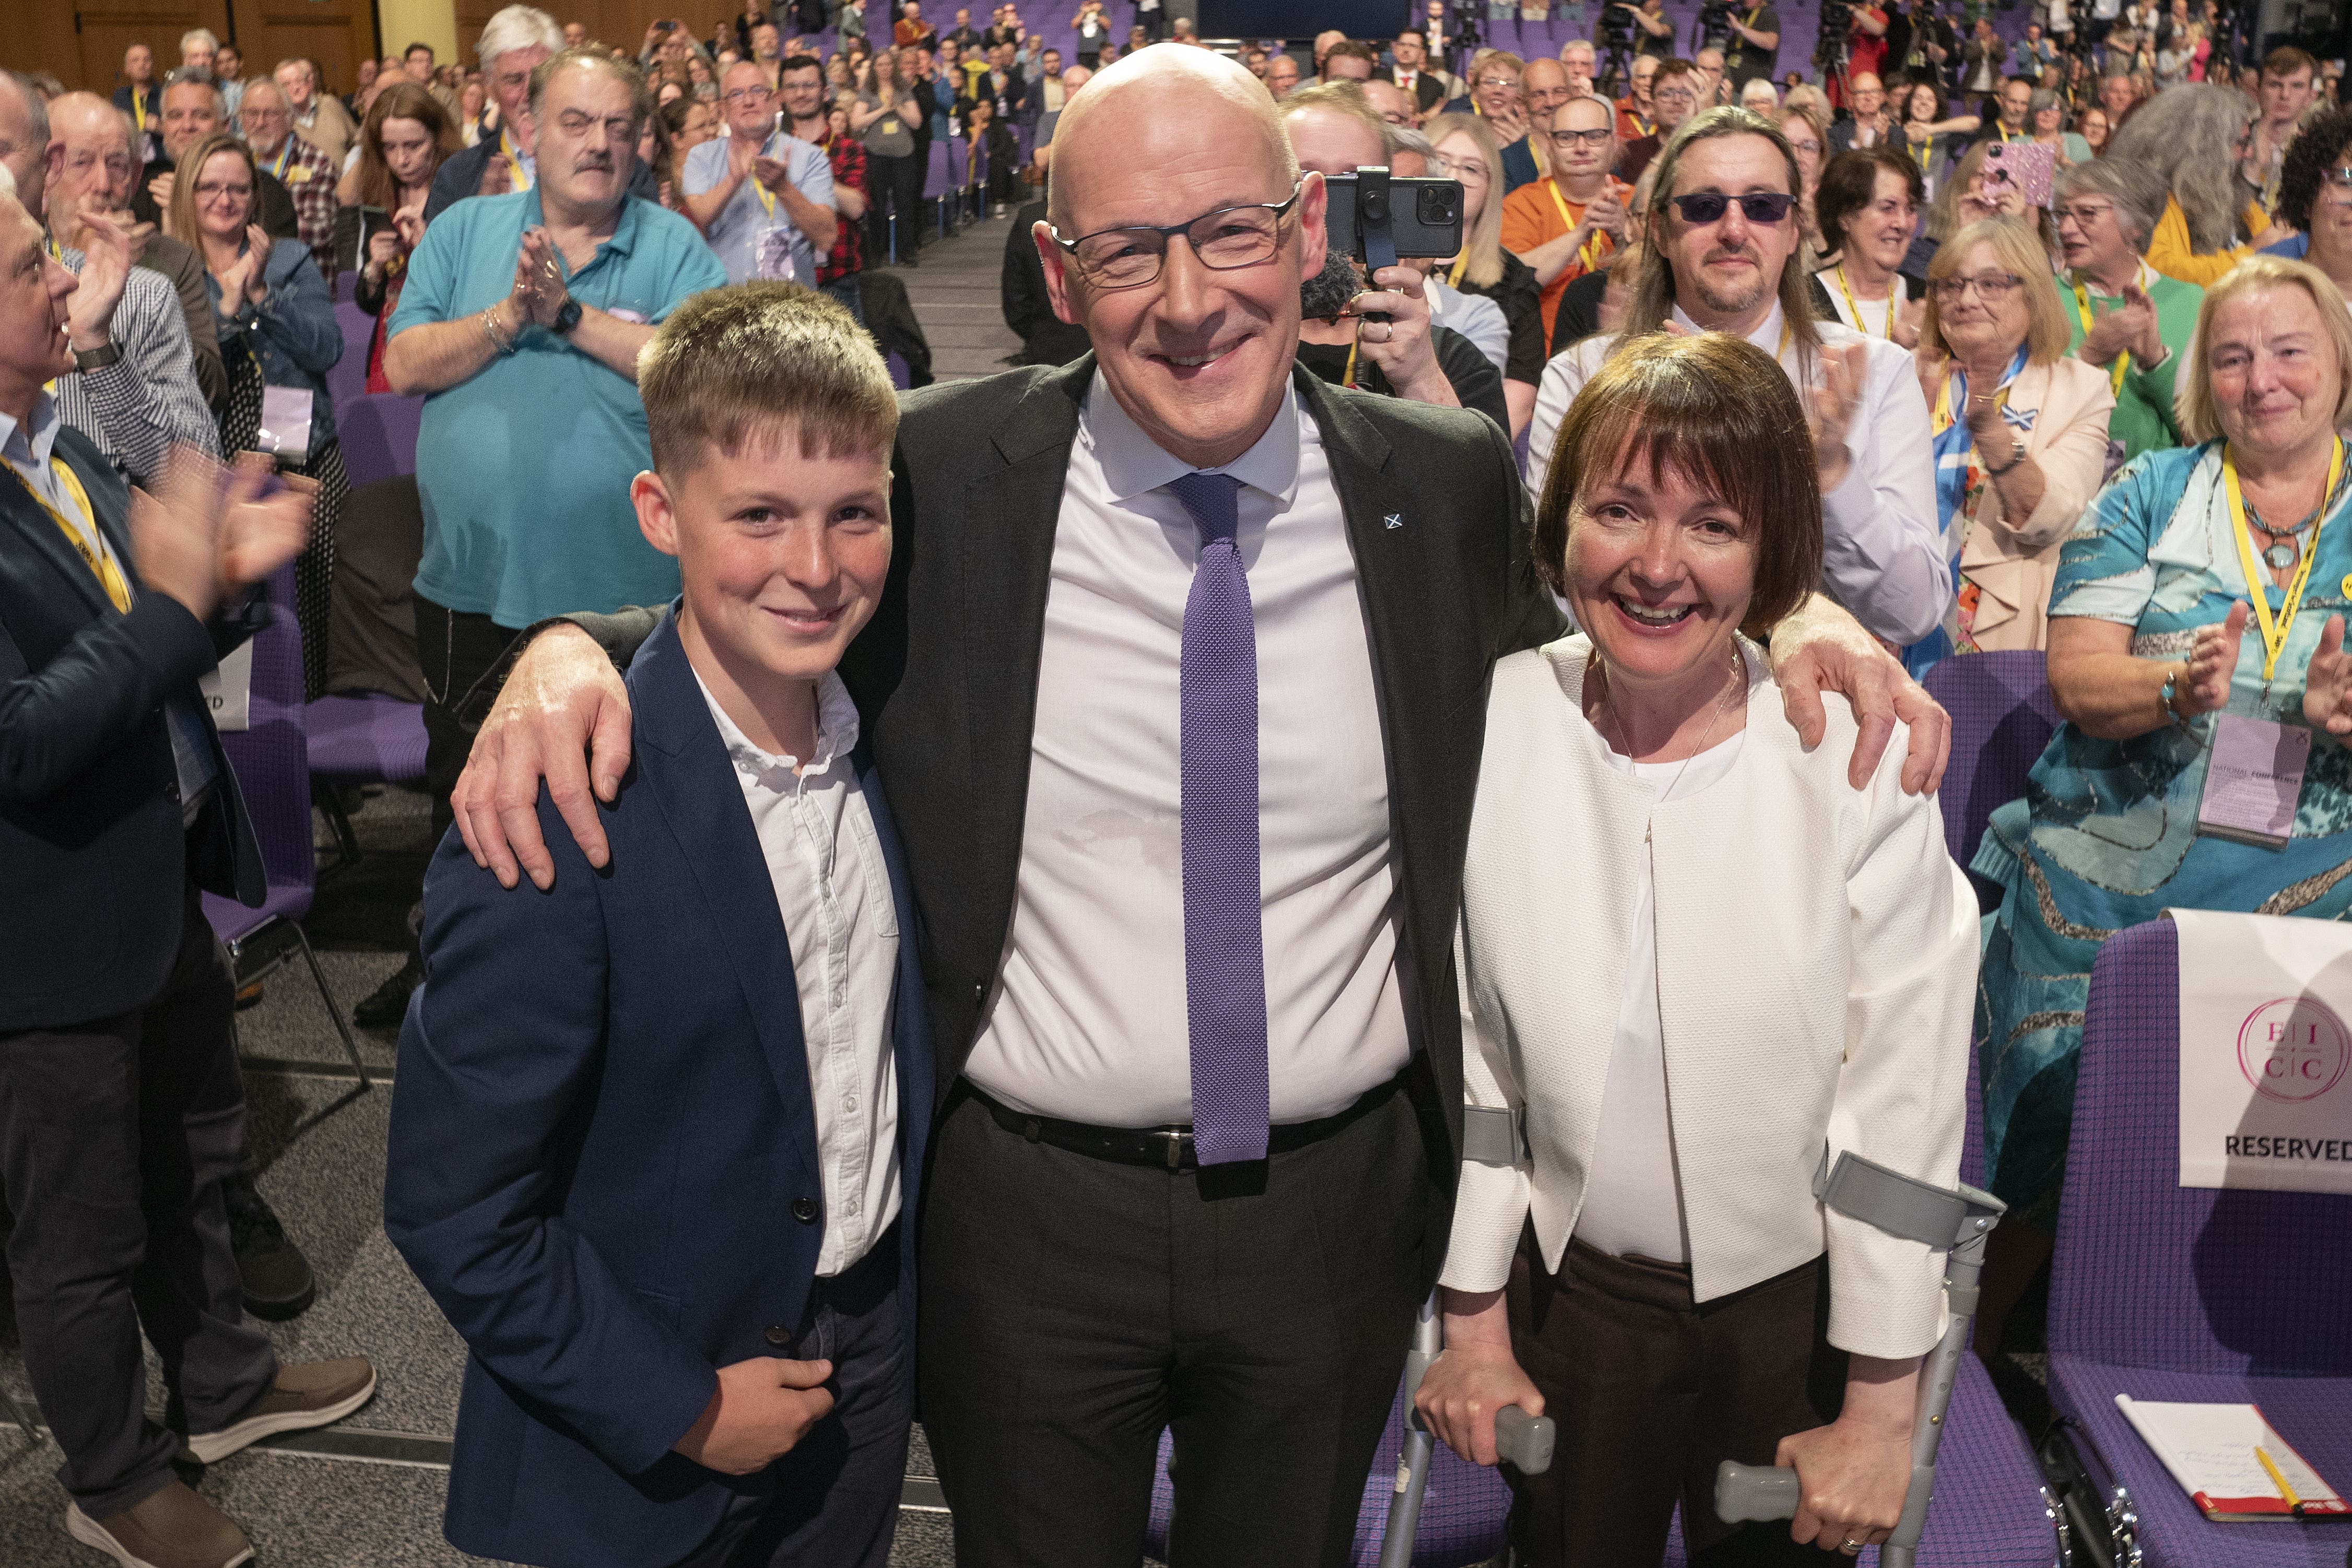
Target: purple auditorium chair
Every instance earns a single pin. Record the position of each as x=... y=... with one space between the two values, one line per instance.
x=347 y=285
x=2200 y=1295
x=347 y=378
x=378 y=432
x=2003 y=715
x=364 y=737
x=271 y=760
x=1462 y=1514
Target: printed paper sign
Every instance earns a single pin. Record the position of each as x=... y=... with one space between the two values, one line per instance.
x=2265 y=1053
x=228 y=690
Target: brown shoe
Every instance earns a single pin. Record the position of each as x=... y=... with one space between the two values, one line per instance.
x=172 y=1528
x=312 y=1393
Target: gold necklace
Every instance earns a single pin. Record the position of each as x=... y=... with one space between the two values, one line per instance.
x=1625 y=733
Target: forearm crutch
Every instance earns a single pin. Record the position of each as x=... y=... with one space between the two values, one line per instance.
x=1491 y=1135
x=1912 y=1211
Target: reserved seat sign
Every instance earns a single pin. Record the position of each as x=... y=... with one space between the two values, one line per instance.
x=2265 y=1053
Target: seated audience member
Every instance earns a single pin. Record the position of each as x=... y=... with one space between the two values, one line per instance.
x=1870 y=124
x=1348 y=60
x=592 y=1113
x=96 y=165
x=2316 y=193
x=277 y=332
x=1543 y=87
x=402 y=147
x=2192 y=139
x=762 y=197
x=309 y=176
x=1759 y=97
x=2126 y=319
x=1596 y=302
x=1466 y=151
x=2047 y=116
x=319 y=118
x=524 y=314
x=2019 y=428
x=1411 y=76
x=1495 y=97
x=1684 y=1300
x=1634 y=110
x=1725 y=256
x=192 y=112
x=2286 y=89
x=1868 y=205
x=1807 y=134
x=1334 y=131
x=2091 y=124
x=2152 y=654
x=118 y=1062
x=1282 y=76
x=132 y=387
x=1570 y=222
x=1674 y=98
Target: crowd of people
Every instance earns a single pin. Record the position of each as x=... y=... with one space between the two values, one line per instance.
x=1222 y=669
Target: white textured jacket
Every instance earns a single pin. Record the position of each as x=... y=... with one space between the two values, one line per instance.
x=1817 y=962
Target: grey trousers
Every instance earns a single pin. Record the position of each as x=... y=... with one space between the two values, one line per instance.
x=114 y=1138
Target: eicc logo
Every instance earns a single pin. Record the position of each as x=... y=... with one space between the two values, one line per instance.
x=2292 y=1050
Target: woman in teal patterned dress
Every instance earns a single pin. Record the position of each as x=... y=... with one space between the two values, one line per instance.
x=2150 y=634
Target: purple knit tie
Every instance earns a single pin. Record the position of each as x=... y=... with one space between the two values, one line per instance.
x=1224 y=949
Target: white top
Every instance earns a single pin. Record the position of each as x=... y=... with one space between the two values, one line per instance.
x=1086 y=1020
x=1633 y=1193
x=1816 y=961
x=1881 y=546
x=1473 y=316
x=833 y=889
x=1871 y=318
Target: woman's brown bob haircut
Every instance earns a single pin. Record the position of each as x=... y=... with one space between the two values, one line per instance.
x=1718 y=411
x=764 y=358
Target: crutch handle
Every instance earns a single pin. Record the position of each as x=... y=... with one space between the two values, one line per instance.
x=1743 y=1492
x=1525 y=1440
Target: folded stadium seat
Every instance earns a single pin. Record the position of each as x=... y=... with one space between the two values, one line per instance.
x=2192 y=1294
x=347 y=283
x=2003 y=715
x=361 y=738
x=378 y=433
x=347 y=377
x=1462 y=1514
x=271 y=760
x=937 y=183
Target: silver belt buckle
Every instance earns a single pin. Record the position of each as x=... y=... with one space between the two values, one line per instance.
x=1175 y=1137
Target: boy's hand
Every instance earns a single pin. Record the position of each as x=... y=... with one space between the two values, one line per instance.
x=762 y=1407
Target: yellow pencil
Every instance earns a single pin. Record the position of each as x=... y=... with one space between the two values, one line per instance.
x=2294 y=1502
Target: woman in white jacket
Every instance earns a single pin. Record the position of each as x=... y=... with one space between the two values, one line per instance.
x=1694 y=959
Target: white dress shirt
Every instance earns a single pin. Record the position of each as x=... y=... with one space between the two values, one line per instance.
x=1882 y=547
x=1087 y=1019
x=1473 y=316
x=825 y=859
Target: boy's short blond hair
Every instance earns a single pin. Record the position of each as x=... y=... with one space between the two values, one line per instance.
x=763 y=356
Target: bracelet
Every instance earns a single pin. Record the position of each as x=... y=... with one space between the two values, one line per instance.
x=489 y=320
x=2169 y=698
x=2016 y=456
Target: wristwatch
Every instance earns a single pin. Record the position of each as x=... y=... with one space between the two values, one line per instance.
x=565 y=319
x=98 y=359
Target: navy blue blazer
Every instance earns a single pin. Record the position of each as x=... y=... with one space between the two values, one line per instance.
x=601 y=1125
x=94 y=858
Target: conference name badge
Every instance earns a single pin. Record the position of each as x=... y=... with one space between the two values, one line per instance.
x=772 y=256
x=299 y=174
x=889 y=127
x=2252 y=780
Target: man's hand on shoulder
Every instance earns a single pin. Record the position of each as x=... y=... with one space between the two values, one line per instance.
x=563 y=715
x=1821 y=648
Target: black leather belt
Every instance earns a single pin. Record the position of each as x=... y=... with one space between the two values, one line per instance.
x=1170 y=1148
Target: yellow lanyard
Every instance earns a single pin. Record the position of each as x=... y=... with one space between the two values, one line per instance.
x=1453 y=278
x=1596 y=245
x=139 y=108
x=514 y=160
x=284 y=153
x=1940 y=419
x=1348 y=376
x=1851 y=304
x=2274 y=631
x=101 y=565
x=2083 y=304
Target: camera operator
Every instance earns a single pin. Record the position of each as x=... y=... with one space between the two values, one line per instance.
x=1758 y=32
x=1656 y=33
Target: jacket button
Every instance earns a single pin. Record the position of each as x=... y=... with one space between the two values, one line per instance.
x=979 y=992
x=778 y=1336
x=804 y=1210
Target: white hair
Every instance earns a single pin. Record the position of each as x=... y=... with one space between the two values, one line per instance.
x=199 y=36
x=519 y=27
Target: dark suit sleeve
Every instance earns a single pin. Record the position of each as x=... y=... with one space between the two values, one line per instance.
x=620 y=634
x=459 y=178
x=94 y=692
x=1530 y=616
x=504 y=1039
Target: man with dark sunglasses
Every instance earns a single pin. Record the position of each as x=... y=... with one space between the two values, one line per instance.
x=1724 y=255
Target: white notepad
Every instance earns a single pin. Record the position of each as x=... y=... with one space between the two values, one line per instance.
x=2210 y=1451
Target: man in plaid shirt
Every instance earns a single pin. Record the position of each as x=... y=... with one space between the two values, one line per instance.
x=308 y=174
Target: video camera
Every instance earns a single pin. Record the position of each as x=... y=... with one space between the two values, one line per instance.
x=1612 y=29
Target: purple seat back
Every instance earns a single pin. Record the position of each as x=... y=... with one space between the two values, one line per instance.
x=347 y=285
x=272 y=763
x=347 y=377
x=2003 y=715
x=2150 y=1273
x=379 y=435
x=959 y=163
x=899 y=377
x=366 y=739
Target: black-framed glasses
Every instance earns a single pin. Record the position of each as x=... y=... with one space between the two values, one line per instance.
x=1589 y=138
x=1224 y=241
x=1992 y=287
x=1704 y=207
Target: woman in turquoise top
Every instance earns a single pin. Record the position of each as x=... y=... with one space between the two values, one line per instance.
x=2154 y=647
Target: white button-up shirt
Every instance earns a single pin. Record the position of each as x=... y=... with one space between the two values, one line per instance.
x=1881 y=546
x=825 y=859
x=1087 y=1020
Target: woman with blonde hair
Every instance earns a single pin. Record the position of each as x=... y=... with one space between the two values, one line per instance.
x=2019 y=431
x=1468 y=152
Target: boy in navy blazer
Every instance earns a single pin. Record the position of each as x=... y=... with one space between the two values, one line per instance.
x=659 y=1129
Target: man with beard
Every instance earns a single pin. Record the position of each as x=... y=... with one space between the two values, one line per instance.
x=1726 y=254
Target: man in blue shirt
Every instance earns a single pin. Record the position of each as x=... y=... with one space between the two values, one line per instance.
x=522 y=320
x=757 y=180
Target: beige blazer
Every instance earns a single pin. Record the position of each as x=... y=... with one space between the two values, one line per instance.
x=2012 y=563
x=1817 y=961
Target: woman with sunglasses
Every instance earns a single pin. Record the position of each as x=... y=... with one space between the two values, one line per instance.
x=2020 y=434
